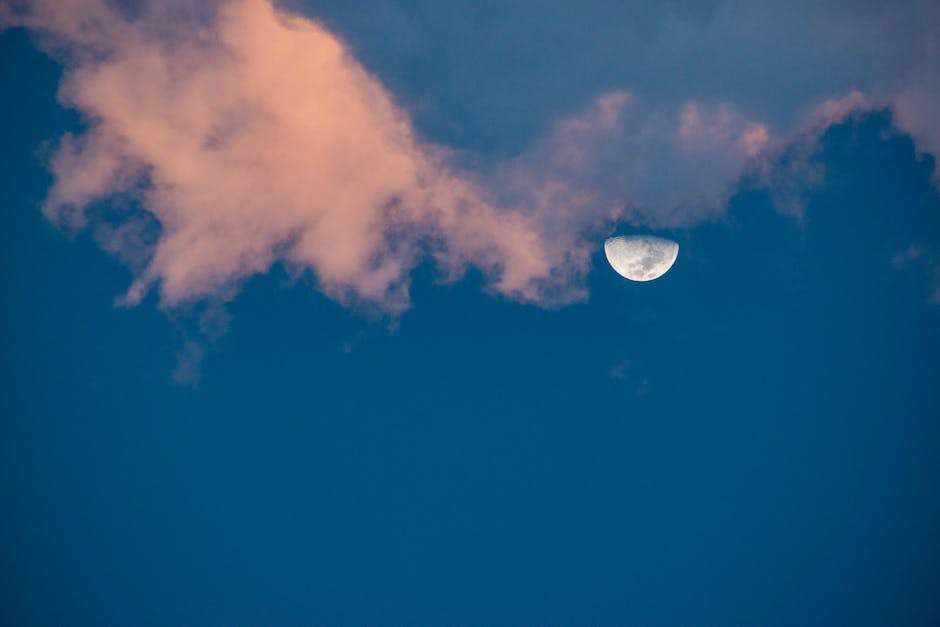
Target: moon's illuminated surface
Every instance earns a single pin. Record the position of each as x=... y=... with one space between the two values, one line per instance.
x=641 y=257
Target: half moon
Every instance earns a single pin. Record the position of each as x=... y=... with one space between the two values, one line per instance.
x=641 y=257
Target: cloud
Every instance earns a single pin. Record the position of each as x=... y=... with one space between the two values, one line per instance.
x=253 y=137
x=226 y=138
x=188 y=363
x=790 y=168
x=921 y=257
x=653 y=165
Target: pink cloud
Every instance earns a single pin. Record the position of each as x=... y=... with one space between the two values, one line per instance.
x=254 y=137
x=753 y=140
x=228 y=136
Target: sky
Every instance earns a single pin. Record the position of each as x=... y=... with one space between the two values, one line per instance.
x=306 y=316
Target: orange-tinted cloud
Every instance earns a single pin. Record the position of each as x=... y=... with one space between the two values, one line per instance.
x=252 y=137
x=227 y=136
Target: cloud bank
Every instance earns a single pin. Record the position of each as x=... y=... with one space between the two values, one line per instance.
x=251 y=137
x=225 y=139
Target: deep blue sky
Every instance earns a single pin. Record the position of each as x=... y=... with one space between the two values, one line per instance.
x=752 y=439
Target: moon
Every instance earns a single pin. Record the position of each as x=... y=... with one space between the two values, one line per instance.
x=641 y=257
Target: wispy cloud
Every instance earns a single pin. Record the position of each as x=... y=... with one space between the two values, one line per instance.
x=921 y=257
x=188 y=363
x=223 y=139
